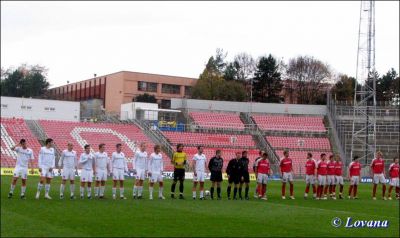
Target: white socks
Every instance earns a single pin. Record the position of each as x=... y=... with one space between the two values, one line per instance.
x=102 y=188
x=201 y=193
x=121 y=192
x=194 y=194
x=72 y=188
x=89 y=191
x=160 y=191
x=82 y=190
x=114 y=191
x=23 y=189
x=12 y=188
x=96 y=191
x=140 y=191
x=47 y=188
x=151 y=191
x=40 y=186
x=62 y=186
x=135 y=190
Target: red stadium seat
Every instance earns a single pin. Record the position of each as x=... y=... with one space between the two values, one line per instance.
x=299 y=142
x=217 y=120
x=290 y=123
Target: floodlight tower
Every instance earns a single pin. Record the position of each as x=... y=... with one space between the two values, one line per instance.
x=363 y=142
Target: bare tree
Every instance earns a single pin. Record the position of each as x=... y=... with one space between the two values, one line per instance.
x=308 y=77
x=245 y=65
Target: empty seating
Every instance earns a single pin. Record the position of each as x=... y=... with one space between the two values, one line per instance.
x=290 y=123
x=214 y=140
x=81 y=133
x=299 y=142
x=217 y=120
x=12 y=131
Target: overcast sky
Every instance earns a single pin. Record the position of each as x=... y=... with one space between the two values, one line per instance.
x=75 y=39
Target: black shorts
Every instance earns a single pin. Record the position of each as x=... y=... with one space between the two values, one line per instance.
x=246 y=177
x=216 y=176
x=179 y=174
x=234 y=179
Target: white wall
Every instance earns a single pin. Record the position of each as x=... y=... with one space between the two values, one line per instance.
x=128 y=110
x=35 y=109
x=177 y=103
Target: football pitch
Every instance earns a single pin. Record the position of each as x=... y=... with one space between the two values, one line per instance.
x=275 y=217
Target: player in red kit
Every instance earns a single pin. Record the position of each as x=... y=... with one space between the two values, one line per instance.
x=378 y=171
x=311 y=165
x=286 y=166
x=330 y=178
x=263 y=170
x=354 y=177
x=322 y=170
x=338 y=176
x=394 y=178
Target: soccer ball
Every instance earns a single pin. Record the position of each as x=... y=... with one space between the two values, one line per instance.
x=207 y=193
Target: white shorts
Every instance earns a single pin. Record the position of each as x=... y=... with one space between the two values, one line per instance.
x=394 y=182
x=46 y=173
x=118 y=174
x=339 y=180
x=330 y=179
x=68 y=174
x=101 y=175
x=140 y=174
x=262 y=178
x=156 y=177
x=310 y=179
x=21 y=172
x=200 y=177
x=287 y=177
x=87 y=175
x=354 y=180
x=379 y=178
x=322 y=180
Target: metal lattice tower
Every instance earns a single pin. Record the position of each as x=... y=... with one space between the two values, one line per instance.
x=363 y=142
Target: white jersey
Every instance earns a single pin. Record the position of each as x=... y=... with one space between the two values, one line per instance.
x=140 y=160
x=101 y=160
x=24 y=155
x=156 y=164
x=200 y=162
x=86 y=161
x=68 y=159
x=47 y=158
x=118 y=161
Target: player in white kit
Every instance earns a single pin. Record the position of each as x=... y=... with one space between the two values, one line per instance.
x=69 y=164
x=118 y=168
x=199 y=169
x=88 y=168
x=24 y=157
x=156 y=167
x=140 y=169
x=47 y=162
x=102 y=163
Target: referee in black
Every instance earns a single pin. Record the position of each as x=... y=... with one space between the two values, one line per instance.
x=245 y=176
x=215 y=166
x=234 y=175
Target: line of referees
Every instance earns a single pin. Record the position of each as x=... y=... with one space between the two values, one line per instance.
x=166 y=175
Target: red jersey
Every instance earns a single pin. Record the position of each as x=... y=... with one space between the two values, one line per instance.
x=322 y=168
x=263 y=166
x=377 y=166
x=331 y=167
x=338 y=168
x=286 y=165
x=310 y=166
x=355 y=168
x=394 y=170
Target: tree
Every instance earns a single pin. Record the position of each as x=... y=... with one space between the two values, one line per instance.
x=145 y=98
x=344 y=88
x=309 y=76
x=267 y=83
x=385 y=86
x=26 y=81
x=245 y=66
x=211 y=85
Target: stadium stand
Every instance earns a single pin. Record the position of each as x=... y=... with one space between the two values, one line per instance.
x=290 y=123
x=208 y=139
x=312 y=143
x=81 y=133
x=217 y=120
x=12 y=130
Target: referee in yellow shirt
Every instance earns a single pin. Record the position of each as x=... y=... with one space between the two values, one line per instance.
x=179 y=161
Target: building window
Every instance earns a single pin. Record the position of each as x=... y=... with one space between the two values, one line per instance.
x=26 y=107
x=147 y=87
x=171 y=89
x=52 y=109
x=188 y=91
x=4 y=105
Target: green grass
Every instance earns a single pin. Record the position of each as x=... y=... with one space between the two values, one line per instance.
x=274 y=217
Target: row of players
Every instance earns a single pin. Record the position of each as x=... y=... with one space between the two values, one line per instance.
x=326 y=174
